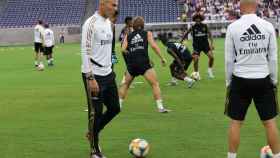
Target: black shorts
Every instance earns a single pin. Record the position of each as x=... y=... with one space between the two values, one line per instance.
x=48 y=50
x=138 y=69
x=202 y=47
x=38 y=47
x=124 y=57
x=242 y=91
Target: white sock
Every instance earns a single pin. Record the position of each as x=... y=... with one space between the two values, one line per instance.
x=123 y=80
x=121 y=102
x=276 y=155
x=231 y=155
x=173 y=79
x=209 y=69
x=187 y=79
x=159 y=104
x=49 y=61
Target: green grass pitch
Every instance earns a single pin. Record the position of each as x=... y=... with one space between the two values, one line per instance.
x=42 y=113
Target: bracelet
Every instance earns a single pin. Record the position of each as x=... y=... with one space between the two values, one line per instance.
x=90 y=76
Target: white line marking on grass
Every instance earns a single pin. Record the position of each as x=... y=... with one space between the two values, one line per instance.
x=138 y=82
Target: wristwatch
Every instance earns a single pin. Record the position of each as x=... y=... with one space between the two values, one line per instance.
x=90 y=76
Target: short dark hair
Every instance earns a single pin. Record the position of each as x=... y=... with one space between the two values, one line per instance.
x=198 y=16
x=46 y=25
x=127 y=19
x=40 y=22
x=163 y=38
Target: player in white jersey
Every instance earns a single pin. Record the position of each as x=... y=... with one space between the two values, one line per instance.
x=251 y=74
x=98 y=77
x=38 y=40
x=49 y=43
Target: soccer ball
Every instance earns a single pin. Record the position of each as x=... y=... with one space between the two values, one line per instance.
x=41 y=67
x=139 y=148
x=195 y=76
x=266 y=152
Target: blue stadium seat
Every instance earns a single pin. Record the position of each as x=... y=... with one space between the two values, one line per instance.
x=19 y=13
x=151 y=10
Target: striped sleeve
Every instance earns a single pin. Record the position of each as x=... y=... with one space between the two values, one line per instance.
x=53 y=38
x=86 y=44
x=272 y=57
x=229 y=56
x=42 y=33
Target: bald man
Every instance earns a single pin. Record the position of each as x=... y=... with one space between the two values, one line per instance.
x=251 y=74
x=97 y=73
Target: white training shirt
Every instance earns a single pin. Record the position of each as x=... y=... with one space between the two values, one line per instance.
x=251 y=49
x=38 y=33
x=49 y=38
x=96 y=45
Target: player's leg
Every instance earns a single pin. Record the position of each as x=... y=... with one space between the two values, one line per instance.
x=47 y=54
x=124 y=87
x=36 y=49
x=195 y=62
x=111 y=101
x=95 y=110
x=123 y=80
x=265 y=98
x=187 y=60
x=89 y=110
x=109 y=96
x=173 y=81
x=95 y=120
x=179 y=73
x=272 y=135
x=237 y=103
x=196 y=55
x=151 y=77
x=234 y=137
x=210 y=63
x=51 y=60
x=41 y=54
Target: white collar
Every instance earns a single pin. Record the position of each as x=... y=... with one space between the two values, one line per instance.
x=99 y=16
x=249 y=15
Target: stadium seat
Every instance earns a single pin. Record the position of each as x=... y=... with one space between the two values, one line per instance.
x=18 y=13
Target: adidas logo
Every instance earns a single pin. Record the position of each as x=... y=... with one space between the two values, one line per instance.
x=252 y=33
x=136 y=39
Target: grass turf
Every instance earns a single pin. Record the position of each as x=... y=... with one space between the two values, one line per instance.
x=42 y=113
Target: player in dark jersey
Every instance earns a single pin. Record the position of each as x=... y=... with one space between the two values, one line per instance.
x=127 y=28
x=182 y=60
x=125 y=31
x=135 y=45
x=201 y=33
